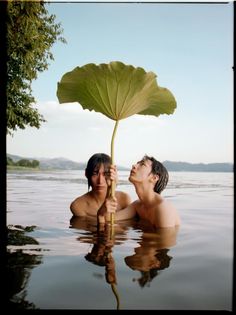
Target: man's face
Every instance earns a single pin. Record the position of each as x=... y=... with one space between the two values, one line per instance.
x=141 y=171
x=98 y=179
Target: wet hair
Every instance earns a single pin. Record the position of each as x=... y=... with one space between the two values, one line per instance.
x=147 y=276
x=158 y=169
x=94 y=163
x=95 y=258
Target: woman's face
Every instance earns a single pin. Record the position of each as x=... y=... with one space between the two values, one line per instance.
x=98 y=179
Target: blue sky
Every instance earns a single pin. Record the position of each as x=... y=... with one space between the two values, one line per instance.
x=188 y=46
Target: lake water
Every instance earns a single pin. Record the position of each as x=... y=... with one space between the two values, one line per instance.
x=74 y=266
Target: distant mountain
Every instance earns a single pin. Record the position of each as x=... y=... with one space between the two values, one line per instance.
x=57 y=163
x=199 y=167
x=52 y=163
x=16 y=158
x=60 y=164
x=66 y=164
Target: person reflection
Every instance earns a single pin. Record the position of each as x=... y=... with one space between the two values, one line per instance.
x=101 y=254
x=152 y=254
x=83 y=223
x=100 y=237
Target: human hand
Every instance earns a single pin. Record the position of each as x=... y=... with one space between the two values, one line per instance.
x=109 y=206
x=112 y=175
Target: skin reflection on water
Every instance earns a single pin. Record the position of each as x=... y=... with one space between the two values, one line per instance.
x=149 y=257
x=152 y=254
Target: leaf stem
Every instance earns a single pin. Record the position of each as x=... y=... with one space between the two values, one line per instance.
x=112 y=141
x=112 y=162
x=113 y=287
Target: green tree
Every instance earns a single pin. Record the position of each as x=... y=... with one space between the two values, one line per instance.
x=31 y=32
x=23 y=162
x=9 y=161
x=35 y=163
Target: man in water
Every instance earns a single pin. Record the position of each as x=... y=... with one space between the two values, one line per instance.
x=97 y=173
x=149 y=178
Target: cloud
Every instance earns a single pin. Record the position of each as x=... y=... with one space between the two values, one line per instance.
x=71 y=116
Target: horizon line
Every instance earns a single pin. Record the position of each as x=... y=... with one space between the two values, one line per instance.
x=61 y=157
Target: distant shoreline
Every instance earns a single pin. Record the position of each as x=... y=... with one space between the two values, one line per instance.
x=22 y=168
x=66 y=164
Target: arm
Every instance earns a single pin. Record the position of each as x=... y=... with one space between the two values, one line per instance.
x=123 y=200
x=120 y=205
x=110 y=206
x=126 y=213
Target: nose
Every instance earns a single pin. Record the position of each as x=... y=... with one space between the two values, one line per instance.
x=101 y=178
x=134 y=166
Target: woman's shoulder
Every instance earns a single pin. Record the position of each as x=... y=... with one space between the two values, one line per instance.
x=123 y=198
x=120 y=193
x=80 y=199
x=78 y=204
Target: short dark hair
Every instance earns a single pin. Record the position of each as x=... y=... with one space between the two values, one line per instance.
x=158 y=169
x=95 y=162
x=149 y=275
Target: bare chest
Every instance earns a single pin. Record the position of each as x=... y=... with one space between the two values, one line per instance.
x=146 y=213
x=91 y=207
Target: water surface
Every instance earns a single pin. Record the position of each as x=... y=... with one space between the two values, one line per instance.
x=74 y=266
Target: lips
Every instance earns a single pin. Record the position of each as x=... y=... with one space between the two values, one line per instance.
x=99 y=187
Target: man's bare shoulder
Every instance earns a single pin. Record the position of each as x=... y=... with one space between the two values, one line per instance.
x=136 y=204
x=79 y=205
x=166 y=214
x=165 y=205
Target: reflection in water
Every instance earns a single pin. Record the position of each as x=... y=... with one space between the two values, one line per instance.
x=84 y=223
x=149 y=258
x=19 y=265
x=101 y=253
x=152 y=254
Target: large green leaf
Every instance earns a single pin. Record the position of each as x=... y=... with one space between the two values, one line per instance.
x=115 y=90
x=161 y=102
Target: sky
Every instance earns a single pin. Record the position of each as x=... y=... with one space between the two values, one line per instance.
x=190 y=49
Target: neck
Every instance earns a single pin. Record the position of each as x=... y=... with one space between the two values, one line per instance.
x=99 y=196
x=146 y=194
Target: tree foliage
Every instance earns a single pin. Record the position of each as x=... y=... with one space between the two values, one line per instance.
x=31 y=32
x=23 y=162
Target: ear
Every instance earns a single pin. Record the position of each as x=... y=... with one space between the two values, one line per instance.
x=155 y=178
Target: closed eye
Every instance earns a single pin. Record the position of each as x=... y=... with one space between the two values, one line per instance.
x=142 y=162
